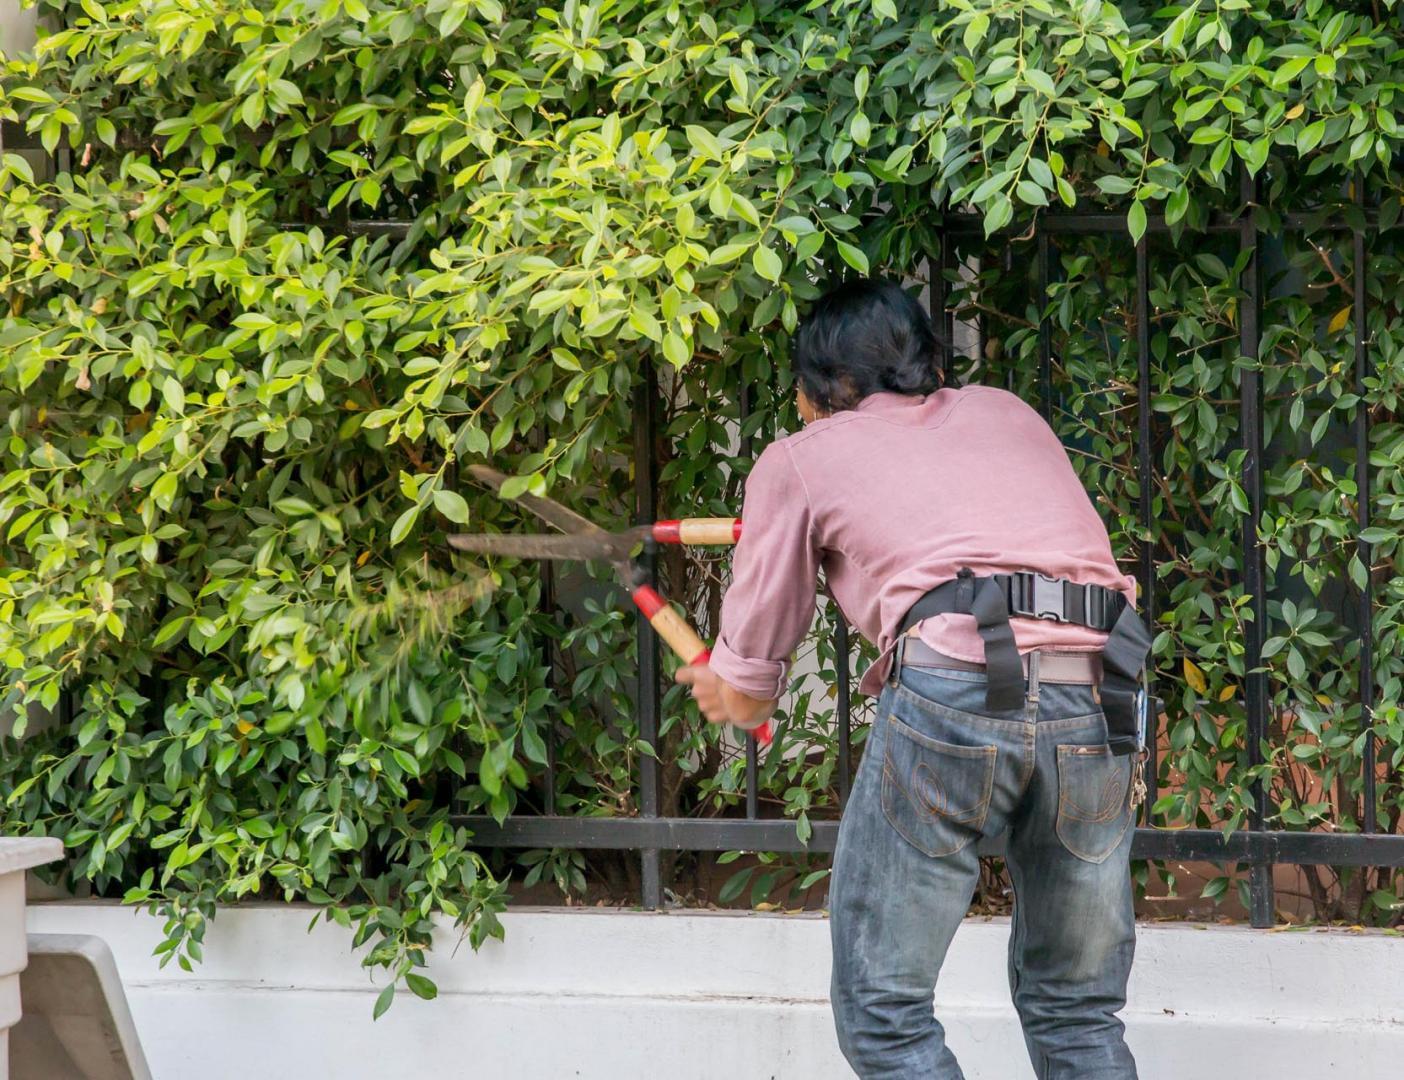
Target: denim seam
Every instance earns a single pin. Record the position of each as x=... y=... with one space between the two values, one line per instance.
x=1096 y=858
x=937 y=746
x=1030 y=760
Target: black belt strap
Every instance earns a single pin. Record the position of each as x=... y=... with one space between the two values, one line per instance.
x=994 y=599
x=1004 y=671
x=1123 y=660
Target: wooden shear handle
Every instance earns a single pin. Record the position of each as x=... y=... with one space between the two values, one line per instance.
x=683 y=640
x=698 y=531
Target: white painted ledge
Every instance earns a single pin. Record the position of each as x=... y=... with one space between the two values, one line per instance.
x=17 y=854
x=695 y=996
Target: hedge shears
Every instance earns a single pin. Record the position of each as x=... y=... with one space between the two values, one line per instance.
x=583 y=540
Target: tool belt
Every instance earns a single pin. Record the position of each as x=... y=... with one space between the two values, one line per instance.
x=995 y=599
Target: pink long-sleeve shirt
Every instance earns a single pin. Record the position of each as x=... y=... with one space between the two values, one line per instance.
x=891 y=499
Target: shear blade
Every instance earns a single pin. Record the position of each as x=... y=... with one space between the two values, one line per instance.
x=607 y=546
x=548 y=510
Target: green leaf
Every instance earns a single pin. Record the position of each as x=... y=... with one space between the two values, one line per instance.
x=975 y=31
x=422 y=987
x=998 y=213
x=704 y=142
x=727 y=253
x=452 y=505
x=767 y=263
x=383 y=1001
x=1136 y=220
x=675 y=349
x=1031 y=194
x=420 y=702
x=860 y=128
x=735 y=885
x=1309 y=137
x=238 y=226
x=173 y=394
x=1115 y=185
x=403 y=524
x=853 y=256
x=1040 y=81
x=796 y=224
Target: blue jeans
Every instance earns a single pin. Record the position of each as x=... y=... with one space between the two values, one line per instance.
x=939 y=772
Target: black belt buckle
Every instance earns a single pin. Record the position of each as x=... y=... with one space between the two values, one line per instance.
x=1095 y=601
x=1041 y=597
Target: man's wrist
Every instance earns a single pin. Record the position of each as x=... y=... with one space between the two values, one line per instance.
x=746 y=712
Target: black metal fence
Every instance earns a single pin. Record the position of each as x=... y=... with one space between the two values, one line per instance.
x=1258 y=846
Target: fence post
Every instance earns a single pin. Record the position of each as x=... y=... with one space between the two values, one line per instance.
x=743 y=411
x=1045 y=332
x=1146 y=479
x=650 y=691
x=1260 y=884
x=1362 y=508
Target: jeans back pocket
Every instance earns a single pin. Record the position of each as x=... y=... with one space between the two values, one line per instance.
x=1094 y=800
x=935 y=794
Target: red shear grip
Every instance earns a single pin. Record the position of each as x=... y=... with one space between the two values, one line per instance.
x=648 y=601
x=736 y=530
x=667 y=532
x=764 y=734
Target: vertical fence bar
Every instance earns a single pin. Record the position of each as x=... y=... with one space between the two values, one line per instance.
x=1362 y=505
x=1260 y=884
x=548 y=605
x=845 y=706
x=947 y=309
x=548 y=599
x=936 y=297
x=1045 y=333
x=752 y=750
x=1144 y=451
x=650 y=692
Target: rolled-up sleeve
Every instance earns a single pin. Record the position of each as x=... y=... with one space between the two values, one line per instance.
x=770 y=602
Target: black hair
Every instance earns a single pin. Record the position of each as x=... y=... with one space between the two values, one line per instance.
x=863 y=337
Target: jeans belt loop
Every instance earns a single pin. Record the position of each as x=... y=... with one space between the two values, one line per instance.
x=1033 y=681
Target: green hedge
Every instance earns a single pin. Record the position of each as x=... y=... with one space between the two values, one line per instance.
x=235 y=419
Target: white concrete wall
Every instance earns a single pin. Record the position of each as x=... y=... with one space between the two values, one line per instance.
x=16 y=27
x=696 y=996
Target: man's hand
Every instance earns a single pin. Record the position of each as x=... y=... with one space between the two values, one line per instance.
x=722 y=703
x=706 y=691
